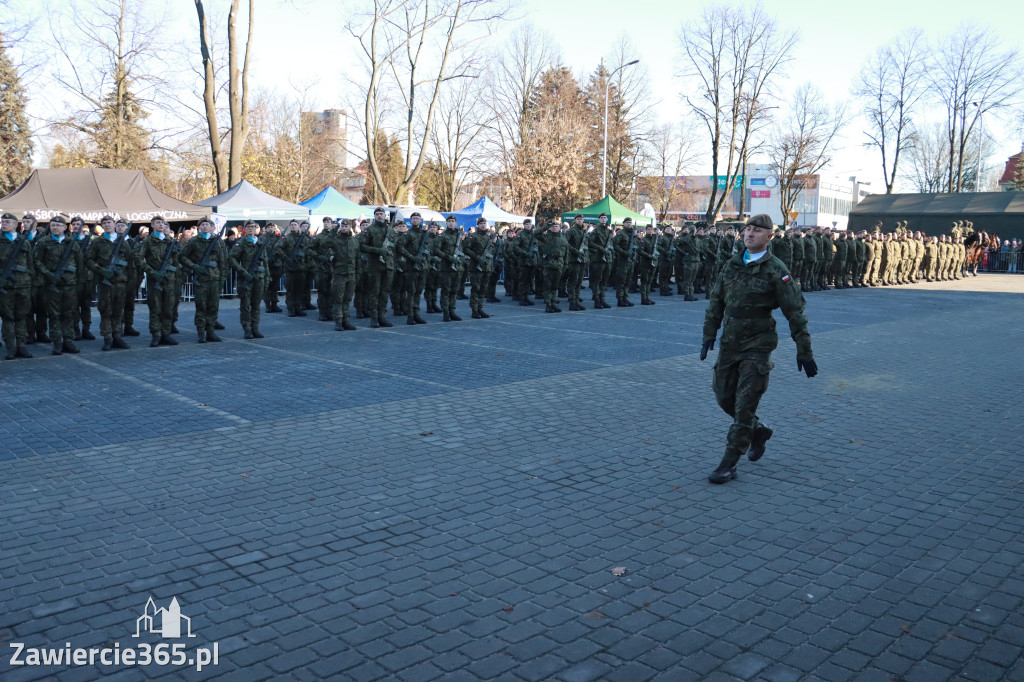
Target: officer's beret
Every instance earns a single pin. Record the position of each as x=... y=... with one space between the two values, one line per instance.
x=762 y=220
x=8 y=216
x=57 y=219
x=106 y=217
x=253 y=223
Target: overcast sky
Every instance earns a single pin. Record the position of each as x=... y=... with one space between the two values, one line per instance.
x=296 y=39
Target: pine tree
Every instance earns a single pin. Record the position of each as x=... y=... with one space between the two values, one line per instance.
x=15 y=139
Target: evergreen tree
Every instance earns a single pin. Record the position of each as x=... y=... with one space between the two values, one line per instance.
x=15 y=140
x=118 y=138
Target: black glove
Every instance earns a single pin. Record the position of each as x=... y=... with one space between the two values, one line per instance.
x=708 y=345
x=107 y=273
x=807 y=365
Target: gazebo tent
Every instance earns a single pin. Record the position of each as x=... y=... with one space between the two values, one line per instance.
x=995 y=212
x=93 y=193
x=616 y=213
x=485 y=208
x=330 y=202
x=245 y=202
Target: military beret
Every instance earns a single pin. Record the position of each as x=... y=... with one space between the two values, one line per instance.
x=57 y=219
x=415 y=214
x=451 y=217
x=762 y=220
x=253 y=223
x=106 y=217
x=8 y=216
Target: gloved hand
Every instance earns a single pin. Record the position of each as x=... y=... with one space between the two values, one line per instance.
x=107 y=273
x=199 y=269
x=244 y=274
x=708 y=345
x=807 y=365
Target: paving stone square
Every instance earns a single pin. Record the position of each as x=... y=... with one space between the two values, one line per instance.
x=450 y=501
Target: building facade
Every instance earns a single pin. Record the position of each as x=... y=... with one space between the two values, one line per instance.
x=823 y=202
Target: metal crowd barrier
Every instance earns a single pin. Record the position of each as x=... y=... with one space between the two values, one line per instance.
x=1003 y=261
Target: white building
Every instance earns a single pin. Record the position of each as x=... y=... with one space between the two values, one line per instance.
x=824 y=202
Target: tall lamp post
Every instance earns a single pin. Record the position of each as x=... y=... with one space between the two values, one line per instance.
x=604 y=153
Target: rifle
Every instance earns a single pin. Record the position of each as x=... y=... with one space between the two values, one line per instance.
x=419 y=252
x=459 y=254
x=491 y=241
x=295 y=249
x=205 y=263
x=495 y=261
x=115 y=260
x=165 y=265
x=244 y=283
x=632 y=245
x=657 y=250
x=584 y=247
x=532 y=250
x=12 y=263
x=62 y=265
x=386 y=244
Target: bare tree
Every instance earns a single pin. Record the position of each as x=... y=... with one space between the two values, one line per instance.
x=929 y=162
x=228 y=171
x=411 y=49
x=972 y=76
x=732 y=57
x=669 y=150
x=891 y=88
x=512 y=82
x=461 y=121
x=801 y=145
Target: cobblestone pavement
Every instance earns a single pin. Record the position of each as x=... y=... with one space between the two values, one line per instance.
x=449 y=502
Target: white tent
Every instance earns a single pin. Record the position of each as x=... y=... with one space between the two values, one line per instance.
x=245 y=202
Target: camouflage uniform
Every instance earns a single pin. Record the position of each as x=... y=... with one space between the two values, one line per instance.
x=16 y=300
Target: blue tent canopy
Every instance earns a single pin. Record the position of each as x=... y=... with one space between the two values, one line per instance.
x=485 y=208
x=331 y=202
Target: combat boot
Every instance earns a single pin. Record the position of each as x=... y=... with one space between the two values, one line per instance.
x=131 y=331
x=455 y=318
x=292 y=312
x=120 y=344
x=476 y=313
x=347 y=326
x=201 y=335
x=69 y=346
x=761 y=435
x=688 y=297
x=168 y=340
x=598 y=304
x=155 y=341
x=524 y=303
x=725 y=472
x=41 y=337
x=86 y=334
x=323 y=318
x=11 y=353
x=211 y=337
x=556 y=308
x=410 y=321
x=338 y=327
x=247 y=335
x=58 y=348
x=629 y=303
x=257 y=333
x=374 y=323
x=385 y=323
x=108 y=343
x=78 y=332
x=548 y=308
x=419 y=320
x=174 y=329
x=447 y=316
x=22 y=352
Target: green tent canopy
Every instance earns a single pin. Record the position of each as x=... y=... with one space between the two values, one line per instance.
x=616 y=213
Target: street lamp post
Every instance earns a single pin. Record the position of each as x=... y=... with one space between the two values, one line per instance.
x=604 y=153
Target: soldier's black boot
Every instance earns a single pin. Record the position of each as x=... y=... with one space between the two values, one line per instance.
x=323 y=318
x=725 y=472
x=120 y=344
x=41 y=337
x=556 y=308
x=292 y=312
x=347 y=326
x=131 y=331
x=218 y=326
x=69 y=347
x=598 y=304
x=78 y=332
x=447 y=317
x=374 y=323
x=201 y=335
x=108 y=343
x=688 y=297
x=174 y=329
x=22 y=352
x=257 y=333
x=212 y=337
x=384 y=323
x=455 y=318
x=757 y=442
x=86 y=334
x=548 y=308
x=168 y=340
x=338 y=326
x=58 y=348
x=524 y=302
x=416 y=318
x=476 y=315
x=247 y=334
x=155 y=342
x=299 y=312
x=629 y=303
x=409 y=320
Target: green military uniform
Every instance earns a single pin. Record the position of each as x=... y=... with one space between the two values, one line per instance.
x=248 y=258
x=497 y=263
x=625 y=247
x=376 y=242
x=600 y=257
x=479 y=249
x=291 y=251
x=135 y=273
x=807 y=282
x=743 y=298
x=797 y=263
x=782 y=248
x=86 y=291
x=343 y=255
x=322 y=268
x=108 y=259
x=528 y=253
x=666 y=261
x=207 y=258
x=840 y=260
x=413 y=248
x=158 y=259
x=60 y=287
x=431 y=284
x=510 y=263
x=578 y=254
x=271 y=299
x=687 y=264
x=17 y=264
x=647 y=264
x=550 y=245
x=448 y=255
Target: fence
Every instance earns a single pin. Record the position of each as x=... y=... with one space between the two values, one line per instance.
x=1002 y=261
